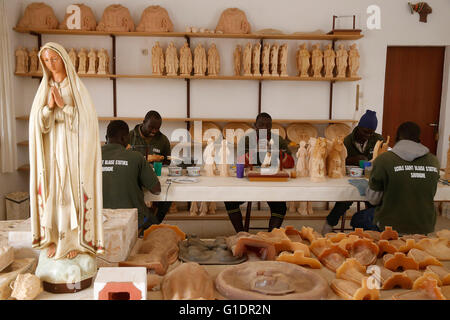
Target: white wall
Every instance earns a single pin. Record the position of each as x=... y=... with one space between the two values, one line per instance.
x=238 y=99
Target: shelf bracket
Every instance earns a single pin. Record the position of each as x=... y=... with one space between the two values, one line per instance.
x=39 y=39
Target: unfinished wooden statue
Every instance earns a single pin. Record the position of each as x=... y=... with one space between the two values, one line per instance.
x=194 y=209
x=209 y=158
x=157 y=59
x=155 y=19
x=336 y=159
x=317 y=61
x=82 y=61
x=38 y=15
x=283 y=60
x=353 y=60
x=302 y=161
x=380 y=147
x=26 y=287
x=116 y=18
x=73 y=58
x=103 y=62
x=223 y=157
x=33 y=58
x=233 y=20
x=447 y=169
x=318 y=169
x=87 y=19
x=21 y=60
x=207 y=207
x=274 y=60
x=172 y=62
x=256 y=59
x=341 y=61
x=199 y=60
x=305 y=208
x=265 y=60
x=185 y=60
x=92 y=62
x=303 y=62
x=247 y=60
x=329 y=60
x=237 y=60
x=213 y=61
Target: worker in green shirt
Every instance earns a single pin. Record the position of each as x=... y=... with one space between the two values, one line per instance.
x=360 y=144
x=155 y=146
x=402 y=186
x=125 y=173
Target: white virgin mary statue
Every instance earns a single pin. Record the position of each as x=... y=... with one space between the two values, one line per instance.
x=65 y=162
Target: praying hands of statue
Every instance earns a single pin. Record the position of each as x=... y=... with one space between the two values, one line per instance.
x=56 y=97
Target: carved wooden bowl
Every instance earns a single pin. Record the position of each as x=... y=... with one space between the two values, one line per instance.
x=301 y=132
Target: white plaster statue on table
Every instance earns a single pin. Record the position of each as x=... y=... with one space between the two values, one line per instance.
x=185 y=60
x=265 y=60
x=237 y=60
x=172 y=62
x=341 y=61
x=34 y=62
x=256 y=59
x=21 y=60
x=318 y=168
x=92 y=62
x=157 y=59
x=283 y=60
x=247 y=60
x=209 y=158
x=82 y=61
x=199 y=60
x=303 y=61
x=73 y=58
x=274 y=60
x=317 y=61
x=336 y=159
x=302 y=161
x=353 y=60
x=329 y=60
x=213 y=61
x=223 y=155
x=103 y=62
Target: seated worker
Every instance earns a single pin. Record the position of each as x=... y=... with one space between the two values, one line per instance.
x=155 y=146
x=360 y=144
x=125 y=172
x=402 y=186
x=277 y=208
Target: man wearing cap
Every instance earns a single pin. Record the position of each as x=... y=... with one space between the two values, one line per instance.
x=360 y=144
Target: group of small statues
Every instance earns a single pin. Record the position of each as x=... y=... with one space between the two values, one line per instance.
x=257 y=61
x=201 y=63
x=318 y=63
x=92 y=62
x=27 y=61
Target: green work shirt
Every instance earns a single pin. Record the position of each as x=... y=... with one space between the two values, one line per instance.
x=282 y=145
x=125 y=173
x=353 y=151
x=408 y=191
x=158 y=144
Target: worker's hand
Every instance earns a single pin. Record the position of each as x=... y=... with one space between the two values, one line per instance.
x=128 y=147
x=154 y=157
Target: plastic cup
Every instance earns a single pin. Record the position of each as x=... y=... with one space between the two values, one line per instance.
x=157 y=166
x=240 y=170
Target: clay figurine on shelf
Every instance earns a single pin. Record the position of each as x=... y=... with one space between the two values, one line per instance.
x=247 y=60
x=317 y=61
x=265 y=60
x=318 y=169
x=87 y=19
x=256 y=59
x=380 y=147
x=336 y=159
x=341 y=61
x=302 y=161
x=274 y=60
x=116 y=18
x=329 y=61
x=447 y=169
x=157 y=59
x=82 y=61
x=199 y=60
x=103 y=62
x=209 y=158
x=66 y=176
x=73 y=58
x=283 y=60
x=303 y=62
x=38 y=15
x=353 y=61
x=21 y=60
x=155 y=19
x=422 y=8
x=172 y=62
x=223 y=154
x=92 y=62
x=185 y=60
x=33 y=58
x=233 y=20
x=213 y=61
x=237 y=60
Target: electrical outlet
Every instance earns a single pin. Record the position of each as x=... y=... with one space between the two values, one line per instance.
x=144 y=52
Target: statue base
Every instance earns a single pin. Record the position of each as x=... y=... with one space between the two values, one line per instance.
x=66 y=275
